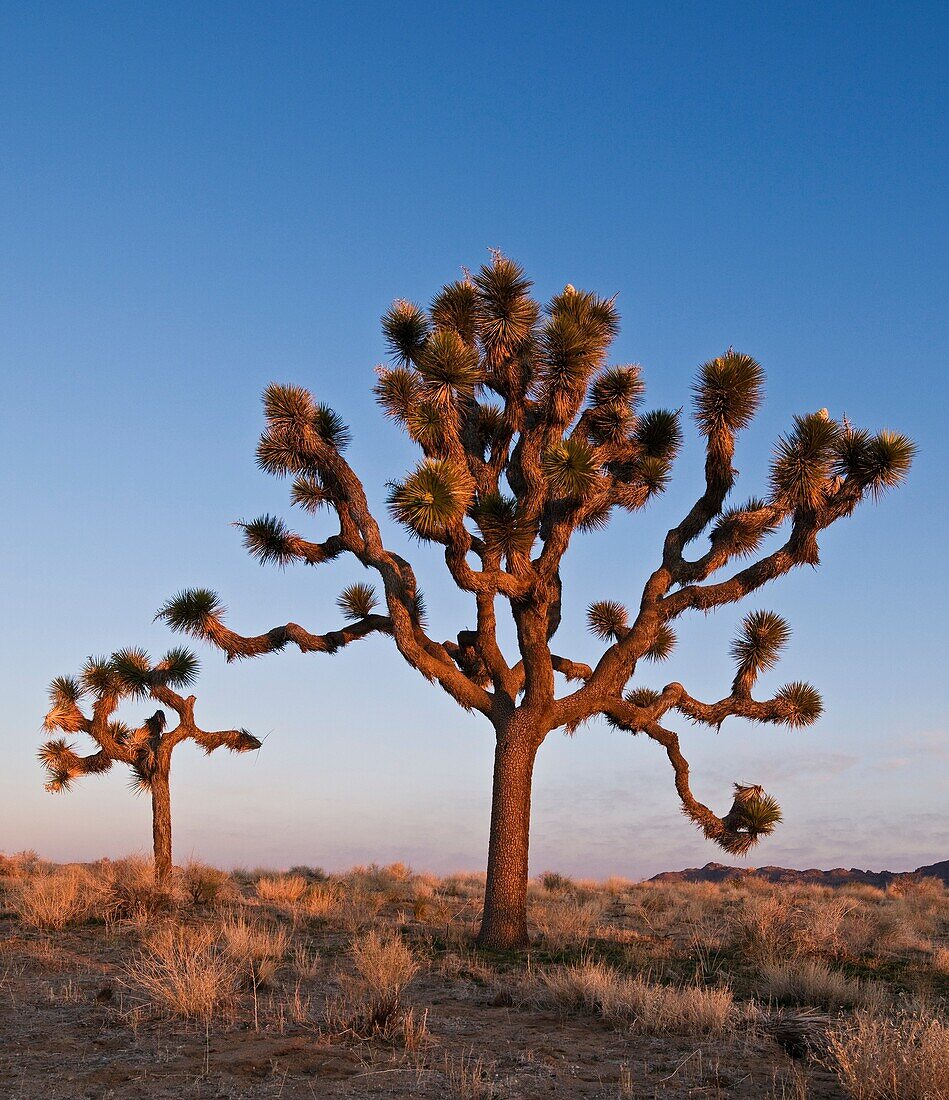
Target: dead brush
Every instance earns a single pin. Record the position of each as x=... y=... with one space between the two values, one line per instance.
x=186 y=971
x=469 y=1076
x=257 y=947
x=810 y=982
x=370 y=1001
x=880 y=1058
x=285 y=890
x=51 y=900
x=564 y=921
x=130 y=893
x=636 y=1003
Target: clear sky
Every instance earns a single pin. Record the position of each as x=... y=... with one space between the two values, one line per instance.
x=197 y=198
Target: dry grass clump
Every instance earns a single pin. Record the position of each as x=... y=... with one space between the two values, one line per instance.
x=564 y=921
x=51 y=900
x=187 y=971
x=18 y=864
x=809 y=982
x=469 y=1076
x=281 y=889
x=370 y=1002
x=257 y=947
x=876 y=1058
x=641 y=1005
x=322 y=901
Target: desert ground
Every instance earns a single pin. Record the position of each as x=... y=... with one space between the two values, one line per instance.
x=368 y=984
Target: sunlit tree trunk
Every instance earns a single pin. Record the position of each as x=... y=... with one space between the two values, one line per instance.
x=504 y=924
x=161 y=825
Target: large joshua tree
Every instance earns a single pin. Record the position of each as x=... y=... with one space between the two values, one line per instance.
x=527 y=438
x=147 y=749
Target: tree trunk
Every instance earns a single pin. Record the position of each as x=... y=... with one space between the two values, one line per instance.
x=504 y=923
x=161 y=825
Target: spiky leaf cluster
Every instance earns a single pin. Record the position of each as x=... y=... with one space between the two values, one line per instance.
x=448 y=367
x=662 y=645
x=607 y=619
x=431 y=498
x=457 y=308
x=357 y=601
x=618 y=384
x=309 y=493
x=502 y=526
x=571 y=467
x=762 y=636
x=507 y=312
x=406 y=329
x=727 y=393
x=133 y=668
x=192 y=611
x=802 y=702
x=269 y=540
x=658 y=434
x=744 y=528
x=178 y=667
x=803 y=462
x=875 y=463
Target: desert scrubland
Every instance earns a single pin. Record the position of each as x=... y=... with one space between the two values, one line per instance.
x=368 y=984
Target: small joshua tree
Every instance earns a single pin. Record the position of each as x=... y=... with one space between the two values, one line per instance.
x=105 y=682
x=504 y=486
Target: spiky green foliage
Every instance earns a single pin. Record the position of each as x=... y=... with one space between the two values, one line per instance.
x=642 y=697
x=99 y=678
x=573 y=342
x=622 y=384
x=65 y=690
x=269 y=540
x=763 y=634
x=192 y=611
x=426 y=424
x=178 y=667
x=490 y=423
x=502 y=526
x=287 y=406
x=744 y=527
x=652 y=473
x=456 y=307
x=610 y=423
x=662 y=645
x=431 y=498
x=876 y=463
x=760 y=814
x=728 y=392
x=308 y=493
x=331 y=427
x=397 y=390
x=357 y=601
x=803 y=462
x=803 y=702
x=507 y=313
x=571 y=467
x=448 y=366
x=133 y=667
x=406 y=329
x=607 y=619
x=658 y=434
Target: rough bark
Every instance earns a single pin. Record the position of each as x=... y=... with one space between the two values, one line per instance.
x=161 y=825
x=504 y=924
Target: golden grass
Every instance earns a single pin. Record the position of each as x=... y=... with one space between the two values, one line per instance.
x=51 y=900
x=186 y=971
x=809 y=982
x=876 y=1058
x=281 y=889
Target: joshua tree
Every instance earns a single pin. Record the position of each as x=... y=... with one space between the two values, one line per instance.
x=129 y=673
x=504 y=485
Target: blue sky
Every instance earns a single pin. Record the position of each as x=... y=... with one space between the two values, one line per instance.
x=196 y=199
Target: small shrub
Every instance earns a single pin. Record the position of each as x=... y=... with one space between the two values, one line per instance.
x=566 y=922
x=208 y=886
x=53 y=899
x=256 y=947
x=883 y=1059
x=371 y=1002
x=469 y=1077
x=186 y=971
x=555 y=883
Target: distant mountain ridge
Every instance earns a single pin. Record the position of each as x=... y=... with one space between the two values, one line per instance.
x=838 y=876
